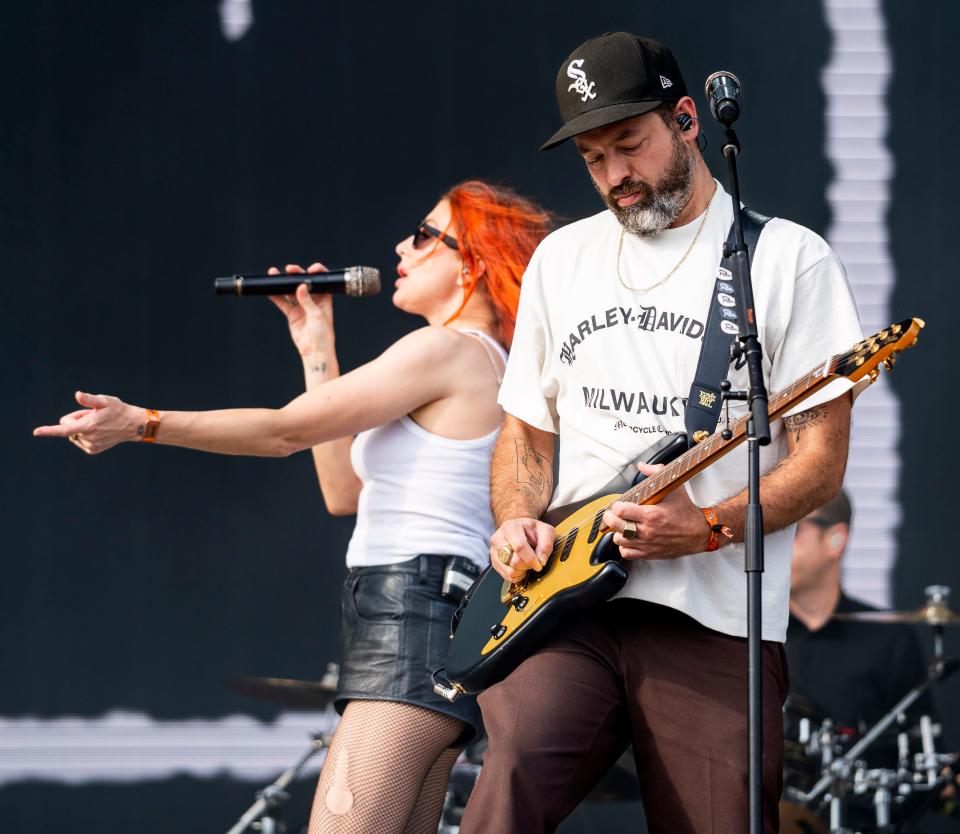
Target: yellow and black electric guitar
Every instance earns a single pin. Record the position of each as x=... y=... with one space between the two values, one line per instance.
x=500 y=623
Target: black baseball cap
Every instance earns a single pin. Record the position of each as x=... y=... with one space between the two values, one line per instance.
x=613 y=77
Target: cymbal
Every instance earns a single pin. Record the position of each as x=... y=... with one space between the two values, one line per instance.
x=294 y=693
x=933 y=614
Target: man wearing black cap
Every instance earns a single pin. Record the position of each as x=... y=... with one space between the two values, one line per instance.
x=612 y=314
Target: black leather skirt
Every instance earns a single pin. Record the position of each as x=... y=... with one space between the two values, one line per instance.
x=395 y=631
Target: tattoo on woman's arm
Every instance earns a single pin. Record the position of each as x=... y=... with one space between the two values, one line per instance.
x=319 y=369
x=798 y=422
x=532 y=469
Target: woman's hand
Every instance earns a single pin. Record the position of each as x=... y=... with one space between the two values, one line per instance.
x=101 y=424
x=310 y=317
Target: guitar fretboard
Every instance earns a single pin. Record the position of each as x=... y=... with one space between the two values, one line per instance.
x=715 y=446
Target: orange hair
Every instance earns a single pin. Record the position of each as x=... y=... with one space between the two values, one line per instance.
x=500 y=228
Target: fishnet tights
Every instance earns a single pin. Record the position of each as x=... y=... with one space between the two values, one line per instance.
x=386 y=770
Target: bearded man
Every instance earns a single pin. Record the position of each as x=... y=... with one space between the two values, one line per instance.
x=612 y=314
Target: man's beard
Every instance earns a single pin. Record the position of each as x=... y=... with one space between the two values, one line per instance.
x=658 y=206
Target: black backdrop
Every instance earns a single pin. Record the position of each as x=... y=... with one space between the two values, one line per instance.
x=141 y=153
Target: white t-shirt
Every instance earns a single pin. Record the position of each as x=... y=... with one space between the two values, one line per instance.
x=609 y=369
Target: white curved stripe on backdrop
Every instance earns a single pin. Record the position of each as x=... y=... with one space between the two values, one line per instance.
x=132 y=747
x=856 y=121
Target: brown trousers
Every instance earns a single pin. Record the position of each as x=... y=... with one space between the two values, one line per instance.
x=629 y=671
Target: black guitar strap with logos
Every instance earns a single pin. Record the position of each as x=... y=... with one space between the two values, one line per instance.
x=704 y=401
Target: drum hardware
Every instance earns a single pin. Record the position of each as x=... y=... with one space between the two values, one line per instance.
x=263 y=814
x=925 y=773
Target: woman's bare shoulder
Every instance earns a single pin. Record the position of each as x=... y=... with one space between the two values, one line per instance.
x=435 y=342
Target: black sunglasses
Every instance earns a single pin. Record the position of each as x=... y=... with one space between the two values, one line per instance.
x=424 y=231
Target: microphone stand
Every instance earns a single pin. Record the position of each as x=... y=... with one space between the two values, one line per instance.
x=758 y=434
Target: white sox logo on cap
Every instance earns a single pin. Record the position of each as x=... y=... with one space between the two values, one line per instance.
x=580 y=84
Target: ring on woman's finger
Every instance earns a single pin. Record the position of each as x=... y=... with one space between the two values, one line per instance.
x=505 y=553
x=74 y=438
x=629 y=529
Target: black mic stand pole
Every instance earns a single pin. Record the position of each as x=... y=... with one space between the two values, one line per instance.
x=758 y=434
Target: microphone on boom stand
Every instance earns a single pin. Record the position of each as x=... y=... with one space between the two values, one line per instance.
x=722 y=90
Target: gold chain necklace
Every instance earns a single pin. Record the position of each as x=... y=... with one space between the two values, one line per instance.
x=669 y=275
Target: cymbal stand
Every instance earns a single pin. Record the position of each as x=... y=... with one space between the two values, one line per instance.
x=839 y=770
x=262 y=814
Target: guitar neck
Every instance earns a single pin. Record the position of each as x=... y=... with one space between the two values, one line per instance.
x=655 y=488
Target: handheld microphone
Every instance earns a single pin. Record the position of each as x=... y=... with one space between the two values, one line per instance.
x=722 y=90
x=351 y=280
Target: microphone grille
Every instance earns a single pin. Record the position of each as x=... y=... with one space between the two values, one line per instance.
x=718 y=75
x=369 y=283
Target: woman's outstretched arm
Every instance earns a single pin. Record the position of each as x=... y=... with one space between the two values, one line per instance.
x=411 y=373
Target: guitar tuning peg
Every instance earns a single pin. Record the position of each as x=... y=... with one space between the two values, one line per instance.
x=874 y=374
x=883 y=334
x=895 y=329
x=889 y=362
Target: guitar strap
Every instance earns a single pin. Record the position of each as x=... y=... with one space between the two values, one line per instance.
x=704 y=401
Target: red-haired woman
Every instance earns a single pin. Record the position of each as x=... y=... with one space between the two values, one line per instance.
x=425 y=416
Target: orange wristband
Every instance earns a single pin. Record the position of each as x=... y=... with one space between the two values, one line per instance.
x=716 y=529
x=148 y=431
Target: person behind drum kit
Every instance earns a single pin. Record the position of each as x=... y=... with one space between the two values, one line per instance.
x=426 y=417
x=605 y=344
x=852 y=672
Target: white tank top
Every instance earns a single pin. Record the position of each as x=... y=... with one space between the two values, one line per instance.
x=422 y=493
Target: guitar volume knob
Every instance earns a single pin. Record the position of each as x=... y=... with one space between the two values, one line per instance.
x=498 y=630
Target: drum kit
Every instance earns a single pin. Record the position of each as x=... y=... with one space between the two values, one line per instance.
x=830 y=784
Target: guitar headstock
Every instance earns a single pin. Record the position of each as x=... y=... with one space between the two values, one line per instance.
x=881 y=348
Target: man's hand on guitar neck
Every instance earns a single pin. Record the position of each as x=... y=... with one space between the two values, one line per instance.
x=809 y=476
x=674 y=527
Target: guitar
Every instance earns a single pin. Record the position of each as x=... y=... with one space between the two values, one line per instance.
x=499 y=623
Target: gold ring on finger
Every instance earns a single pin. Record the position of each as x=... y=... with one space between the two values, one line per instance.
x=74 y=438
x=505 y=553
x=629 y=529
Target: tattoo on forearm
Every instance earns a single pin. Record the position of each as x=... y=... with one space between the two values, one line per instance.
x=798 y=422
x=319 y=369
x=531 y=470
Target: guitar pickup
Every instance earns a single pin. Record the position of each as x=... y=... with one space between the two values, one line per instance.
x=520 y=602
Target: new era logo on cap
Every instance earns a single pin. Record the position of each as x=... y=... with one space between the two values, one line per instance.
x=665 y=82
